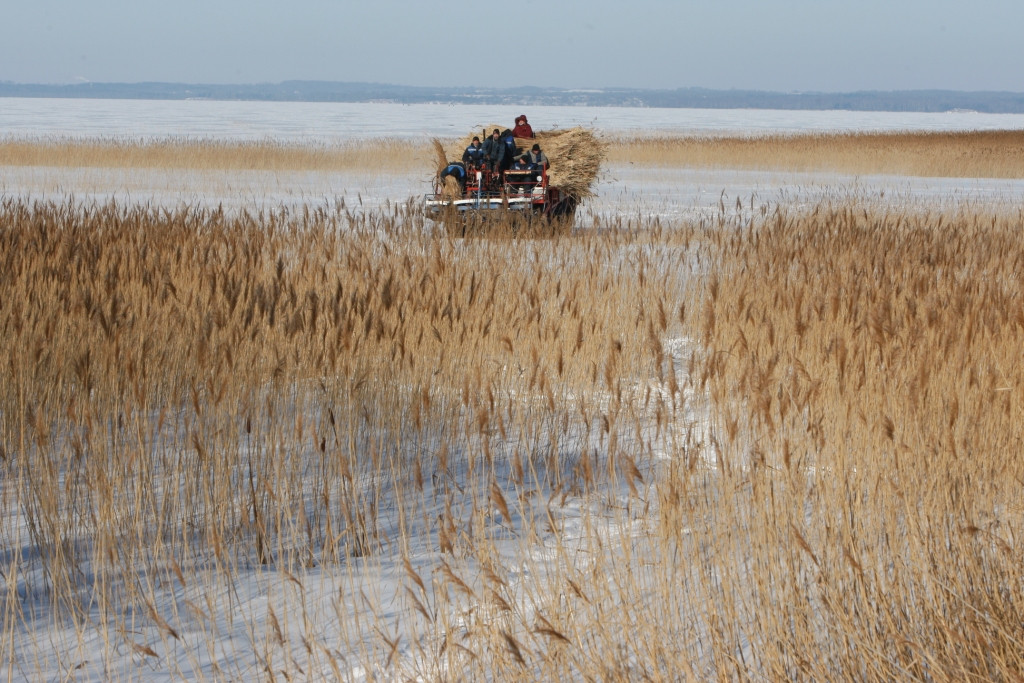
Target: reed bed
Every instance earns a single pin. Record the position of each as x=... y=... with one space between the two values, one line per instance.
x=774 y=447
x=984 y=154
x=199 y=154
x=189 y=394
x=864 y=365
x=974 y=154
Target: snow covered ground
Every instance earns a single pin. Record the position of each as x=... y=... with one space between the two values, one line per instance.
x=221 y=626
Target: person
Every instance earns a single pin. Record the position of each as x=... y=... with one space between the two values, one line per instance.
x=473 y=157
x=523 y=128
x=511 y=151
x=494 y=151
x=524 y=179
x=524 y=162
x=455 y=170
x=537 y=157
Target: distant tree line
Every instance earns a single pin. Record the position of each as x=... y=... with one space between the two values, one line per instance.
x=702 y=98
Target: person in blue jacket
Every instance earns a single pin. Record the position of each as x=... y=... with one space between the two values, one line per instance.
x=473 y=157
x=511 y=151
x=455 y=170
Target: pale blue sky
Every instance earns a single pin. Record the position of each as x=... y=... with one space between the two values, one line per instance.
x=824 y=45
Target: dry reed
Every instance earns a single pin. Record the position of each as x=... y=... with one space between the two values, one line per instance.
x=189 y=392
x=995 y=154
x=973 y=154
x=201 y=154
x=780 y=447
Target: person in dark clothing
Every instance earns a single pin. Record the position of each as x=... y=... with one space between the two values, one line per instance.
x=473 y=157
x=494 y=151
x=523 y=129
x=511 y=151
x=522 y=177
x=537 y=157
x=523 y=163
x=455 y=170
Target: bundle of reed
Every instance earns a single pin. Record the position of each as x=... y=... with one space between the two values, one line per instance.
x=575 y=155
x=442 y=159
x=451 y=189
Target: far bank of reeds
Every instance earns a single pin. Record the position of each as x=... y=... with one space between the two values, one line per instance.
x=203 y=154
x=975 y=154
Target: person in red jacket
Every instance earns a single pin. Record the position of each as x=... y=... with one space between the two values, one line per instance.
x=523 y=129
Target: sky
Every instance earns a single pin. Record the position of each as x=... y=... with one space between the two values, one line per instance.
x=781 y=45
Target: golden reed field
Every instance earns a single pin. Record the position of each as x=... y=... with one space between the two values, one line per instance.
x=962 y=154
x=785 y=446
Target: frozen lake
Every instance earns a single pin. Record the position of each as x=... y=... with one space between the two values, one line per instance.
x=318 y=122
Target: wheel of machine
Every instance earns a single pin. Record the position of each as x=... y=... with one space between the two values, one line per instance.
x=561 y=216
x=565 y=207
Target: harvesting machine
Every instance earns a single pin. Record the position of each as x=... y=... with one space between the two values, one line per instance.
x=464 y=194
x=485 y=192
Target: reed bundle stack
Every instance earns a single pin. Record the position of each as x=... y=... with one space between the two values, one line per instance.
x=575 y=156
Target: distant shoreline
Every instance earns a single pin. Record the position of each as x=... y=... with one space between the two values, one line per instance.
x=925 y=101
